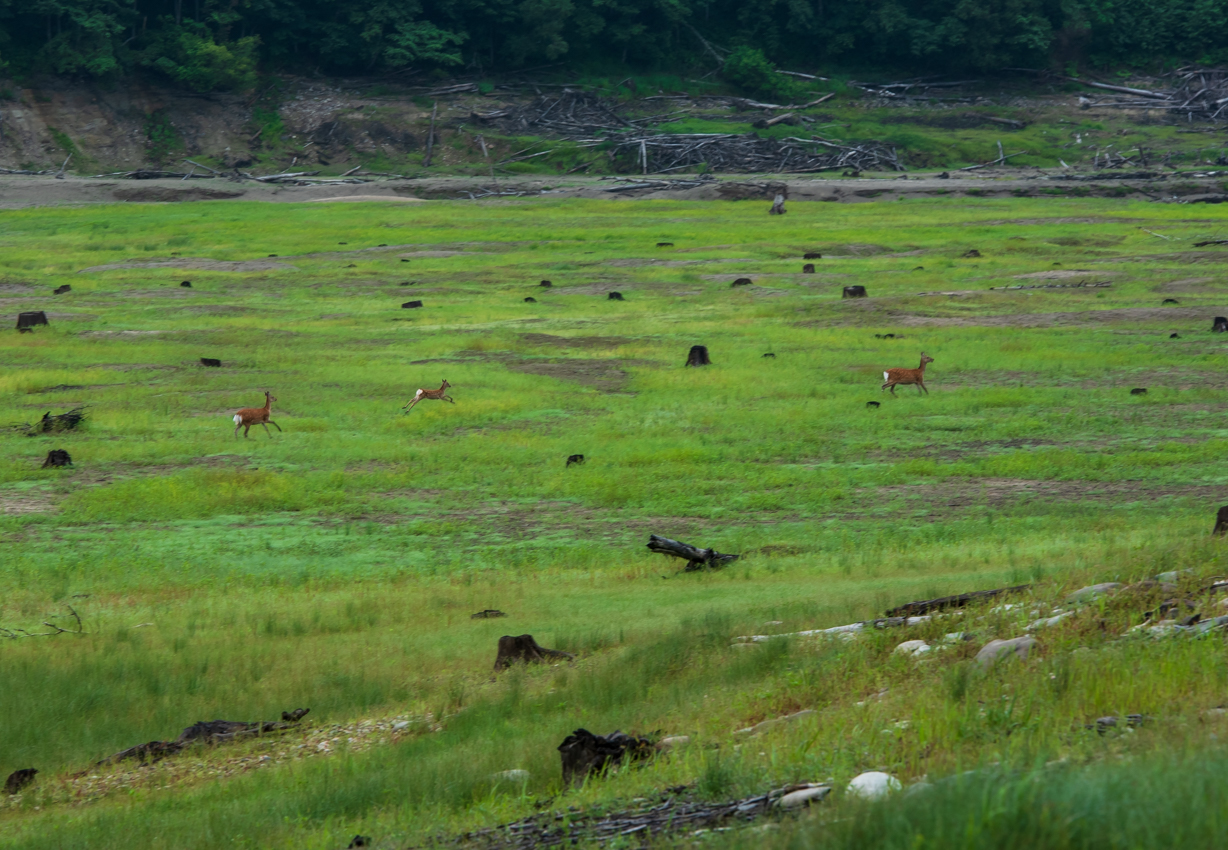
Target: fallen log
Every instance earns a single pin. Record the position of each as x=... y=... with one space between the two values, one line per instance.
x=924 y=606
x=696 y=558
x=205 y=731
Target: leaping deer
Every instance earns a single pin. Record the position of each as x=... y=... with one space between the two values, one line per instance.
x=907 y=376
x=249 y=416
x=435 y=394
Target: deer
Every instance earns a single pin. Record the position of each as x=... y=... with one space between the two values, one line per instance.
x=249 y=416
x=908 y=376
x=423 y=393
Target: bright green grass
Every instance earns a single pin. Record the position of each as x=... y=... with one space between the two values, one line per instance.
x=336 y=564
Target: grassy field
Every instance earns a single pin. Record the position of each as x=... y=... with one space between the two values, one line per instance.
x=335 y=565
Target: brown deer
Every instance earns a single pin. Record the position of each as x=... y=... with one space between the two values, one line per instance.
x=249 y=416
x=435 y=394
x=908 y=376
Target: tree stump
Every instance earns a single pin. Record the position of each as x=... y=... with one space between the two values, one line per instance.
x=778 y=206
x=186 y=284
x=547 y=284
x=1221 y=522
x=872 y=405
x=19 y=779
x=1138 y=391
x=808 y=268
x=616 y=296
x=211 y=362
x=57 y=457
x=854 y=292
x=584 y=754
x=698 y=356
x=574 y=459
x=411 y=305
x=812 y=255
x=971 y=254
x=60 y=290
x=742 y=281
x=665 y=244
x=488 y=614
x=884 y=336
x=1219 y=325
x=530 y=300
x=27 y=321
x=522 y=648
x=1170 y=301
x=770 y=355
x=1174 y=336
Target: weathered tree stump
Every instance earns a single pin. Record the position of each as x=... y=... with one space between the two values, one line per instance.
x=359 y=841
x=742 y=281
x=770 y=355
x=522 y=648
x=696 y=558
x=873 y=405
x=1138 y=391
x=665 y=244
x=211 y=362
x=698 y=356
x=1219 y=325
x=971 y=254
x=186 y=284
x=59 y=422
x=488 y=614
x=812 y=255
x=584 y=754
x=616 y=296
x=19 y=779
x=57 y=457
x=884 y=336
x=530 y=300
x=411 y=305
x=808 y=268
x=60 y=290
x=854 y=292
x=547 y=284
x=778 y=206
x=1174 y=336
x=572 y=459
x=1221 y=522
x=30 y=320
x=1170 y=301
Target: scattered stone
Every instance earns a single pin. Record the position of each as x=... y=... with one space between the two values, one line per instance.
x=673 y=742
x=400 y=725
x=19 y=779
x=522 y=648
x=853 y=292
x=616 y=296
x=211 y=362
x=57 y=457
x=1172 y=576
x=698 y=356
x=808 y=268
x=996 y=650
x=1049 y=622
x=1104 y=724
x=585 y=754
x=912 y=647
x=804 y=796
x=574 y=459
x=488 y=614
x=1092 y=592
x=873 y=785
x=776 y=721
x=411 y=305
x=1139 y=391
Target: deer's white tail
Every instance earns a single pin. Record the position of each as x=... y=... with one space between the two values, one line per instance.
x=886 y=377
x=238 y=419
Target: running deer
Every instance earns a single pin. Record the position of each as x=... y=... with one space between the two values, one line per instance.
x=908 y=376
x=249 y=416
x=435 y=394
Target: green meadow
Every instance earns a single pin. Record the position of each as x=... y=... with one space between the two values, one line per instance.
x=335 y=564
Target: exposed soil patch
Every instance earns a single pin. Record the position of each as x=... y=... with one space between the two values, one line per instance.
x=16 y=288
x=590 y=342
x=52 y=317
x=219 y=309
x=1085 y=220
x=16 y=504
x=604 y=375
x=167 y=194
x=198 y=264
x=1170 y=316
x=1178 y=257
x=1064 y=274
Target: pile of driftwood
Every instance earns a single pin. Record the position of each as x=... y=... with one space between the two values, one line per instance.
x=1190 y=91
x=730 y=152
x=53 y=423
x=571 y=114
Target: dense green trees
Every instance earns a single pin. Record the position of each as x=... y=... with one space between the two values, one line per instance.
x=218 y=44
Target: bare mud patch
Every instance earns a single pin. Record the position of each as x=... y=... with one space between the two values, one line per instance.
x=1170 y=316
x=20 y=504
x=584 y=342
x=198 y=264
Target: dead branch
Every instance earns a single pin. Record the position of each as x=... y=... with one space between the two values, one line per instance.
x=696 y=558
x=13 y=634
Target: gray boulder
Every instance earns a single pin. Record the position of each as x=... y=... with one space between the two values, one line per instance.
x=996 y=650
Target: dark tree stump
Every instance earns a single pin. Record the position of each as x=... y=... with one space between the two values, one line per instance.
x=1170 y=301
x=585 y=754
x=698 y=356
x=522 y=648
x=771 y=355
x=411 y=305
x=19 y=779
x=971 y=255
x=1174 y=336
x=1219 y=325
x=812 y=255
x=60 y=290
x=808 y=268
x=187 y=284
x=742 y=281
x=1138 y=391
x=547 y=284
x=574 y=459
x=272 y=255
x=26 y=321
x=884 y=336
x=488 y=614
x=57 y=457
x=530 y=300
x=665 y=244
x=872 y=404
x=696 y=558
x=212 y=362
x=616 y=296
x=778 y=206
x=854 y=292
x=359 y=841
x=1221 y=522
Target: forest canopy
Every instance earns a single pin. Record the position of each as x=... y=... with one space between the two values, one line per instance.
x=210 y=45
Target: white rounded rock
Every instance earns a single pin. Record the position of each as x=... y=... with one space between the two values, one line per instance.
x=873 y=785
x=804 y=797
x=912 y=647
x=511 y=776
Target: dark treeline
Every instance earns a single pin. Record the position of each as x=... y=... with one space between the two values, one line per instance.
x=218 y=44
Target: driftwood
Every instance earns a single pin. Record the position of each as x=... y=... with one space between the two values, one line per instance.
x=57 y=457
x=698 y=356
x=208 y=732
x=925 y=606
x=735 y=152
x=523 y=649
x=19 y=779
x=696 y=558
x=50 y=424
x=13 y=634
x=585 y=754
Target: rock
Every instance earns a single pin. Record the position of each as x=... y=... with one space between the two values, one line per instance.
x=804 y=796
x=1173 y=576
x=873 y=785
x=1049 y=622
x=1094 y=591
x=996 y=650
x=400 y=724
x=777 y=721
x=673 y=742
x=515 y=775
x=912 y=647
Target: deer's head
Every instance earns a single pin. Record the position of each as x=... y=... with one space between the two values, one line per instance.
x=269 y=397
x=445 y=384
x=925 y=358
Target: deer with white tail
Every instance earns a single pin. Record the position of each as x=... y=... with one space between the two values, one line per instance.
x=249 y=416
x=892 y=377
x=438 y=394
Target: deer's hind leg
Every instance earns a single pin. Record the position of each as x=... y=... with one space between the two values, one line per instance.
x=448 y=398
